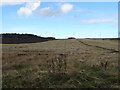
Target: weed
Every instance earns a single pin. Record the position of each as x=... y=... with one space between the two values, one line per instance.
x=58 y=64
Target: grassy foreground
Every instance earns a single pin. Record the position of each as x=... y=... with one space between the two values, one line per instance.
x=60 y=64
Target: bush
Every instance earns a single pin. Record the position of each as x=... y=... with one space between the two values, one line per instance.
x=71 y=38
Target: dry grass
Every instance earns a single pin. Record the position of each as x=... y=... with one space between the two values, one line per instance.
x=111 y=44
x=60 y=63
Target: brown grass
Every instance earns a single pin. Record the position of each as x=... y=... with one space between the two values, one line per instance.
x=27 y=65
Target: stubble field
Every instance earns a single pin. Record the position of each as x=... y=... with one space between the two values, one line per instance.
x=73 y=63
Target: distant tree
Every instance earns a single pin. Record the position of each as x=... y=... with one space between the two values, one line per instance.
x=15 y=35
x=14 y=38
x=50 y=37
x=71 y=38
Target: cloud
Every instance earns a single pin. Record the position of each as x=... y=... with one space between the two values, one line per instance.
x=49 y=12
x=74 y=16
x=79 y=10
x=28 y=8
x=15 y=2
x=94 y=21
x=65 y=8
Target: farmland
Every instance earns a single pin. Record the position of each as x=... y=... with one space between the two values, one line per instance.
x=68 y=63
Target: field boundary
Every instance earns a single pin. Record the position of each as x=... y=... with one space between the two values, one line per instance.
x=112 y=50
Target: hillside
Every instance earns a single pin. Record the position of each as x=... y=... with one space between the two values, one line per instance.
x=13 y=38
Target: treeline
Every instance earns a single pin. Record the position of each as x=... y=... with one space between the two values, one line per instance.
x=15 y=35
x=14 y=38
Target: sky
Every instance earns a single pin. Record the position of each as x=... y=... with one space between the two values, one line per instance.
x=61 y=19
